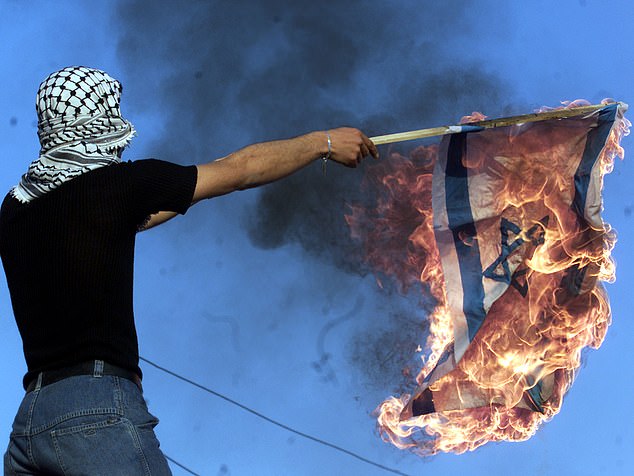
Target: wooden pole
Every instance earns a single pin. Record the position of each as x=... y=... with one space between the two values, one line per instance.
x=487 y=124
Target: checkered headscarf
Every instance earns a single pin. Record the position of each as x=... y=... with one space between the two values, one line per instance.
x=80 y=129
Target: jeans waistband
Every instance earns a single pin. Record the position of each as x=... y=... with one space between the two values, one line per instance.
x=96 y=368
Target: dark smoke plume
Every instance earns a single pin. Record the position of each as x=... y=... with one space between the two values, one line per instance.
x=237 y=72
x=224 y=74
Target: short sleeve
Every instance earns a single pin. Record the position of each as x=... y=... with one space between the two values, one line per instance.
x=158 y=185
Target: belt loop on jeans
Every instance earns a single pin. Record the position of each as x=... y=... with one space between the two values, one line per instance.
x=98 y=370
x=38 y=383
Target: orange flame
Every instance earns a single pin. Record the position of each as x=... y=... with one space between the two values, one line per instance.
x=488 y=395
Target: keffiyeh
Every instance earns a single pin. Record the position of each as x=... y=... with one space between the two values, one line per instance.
x=79 y=126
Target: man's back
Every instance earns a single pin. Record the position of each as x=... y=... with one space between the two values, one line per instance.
x=69 y=255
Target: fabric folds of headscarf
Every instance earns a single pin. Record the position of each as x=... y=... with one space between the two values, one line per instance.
x=79 y=126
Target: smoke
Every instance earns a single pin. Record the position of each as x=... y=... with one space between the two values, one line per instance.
x=232 y=73
x=221 y=75
x=387 y=357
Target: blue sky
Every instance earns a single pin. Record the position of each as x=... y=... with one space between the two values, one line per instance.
x=254 y=294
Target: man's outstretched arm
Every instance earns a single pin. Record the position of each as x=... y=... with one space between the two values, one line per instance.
x=269 y=161
x=266 y=162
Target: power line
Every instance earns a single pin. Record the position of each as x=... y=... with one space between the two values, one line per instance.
x=272 y=421
x=180 y=465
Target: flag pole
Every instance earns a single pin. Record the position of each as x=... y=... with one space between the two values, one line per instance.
x=487 y=124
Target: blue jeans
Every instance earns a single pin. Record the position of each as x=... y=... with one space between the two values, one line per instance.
x=85 y=425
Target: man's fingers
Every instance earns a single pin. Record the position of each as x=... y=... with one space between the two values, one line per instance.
x=364 y=151
x=370 y=146
x=350 y=146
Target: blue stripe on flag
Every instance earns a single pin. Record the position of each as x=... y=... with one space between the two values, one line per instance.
x=594 y=144
x=461 y=224
x=535 y=394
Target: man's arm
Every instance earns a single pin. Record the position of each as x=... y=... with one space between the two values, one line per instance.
x=266 y=162
x=269 y=161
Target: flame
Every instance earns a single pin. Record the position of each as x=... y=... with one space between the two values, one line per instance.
x=475 y=116
x=522 y=349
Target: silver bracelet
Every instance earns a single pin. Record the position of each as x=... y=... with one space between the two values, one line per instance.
x=327 y=156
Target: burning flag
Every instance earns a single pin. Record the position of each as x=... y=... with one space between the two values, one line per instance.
x=502 y=226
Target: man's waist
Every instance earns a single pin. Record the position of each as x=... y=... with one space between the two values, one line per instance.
x=96 y=368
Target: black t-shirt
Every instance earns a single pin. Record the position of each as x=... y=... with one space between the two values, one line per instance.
x=68 y=257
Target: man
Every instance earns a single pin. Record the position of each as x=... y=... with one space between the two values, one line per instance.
x=67 y=233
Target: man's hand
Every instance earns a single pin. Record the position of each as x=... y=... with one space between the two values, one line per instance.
x=349 y=146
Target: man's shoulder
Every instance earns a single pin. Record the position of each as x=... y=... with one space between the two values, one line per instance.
x=151 y=168
x=148 y=162
x=8 y=202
